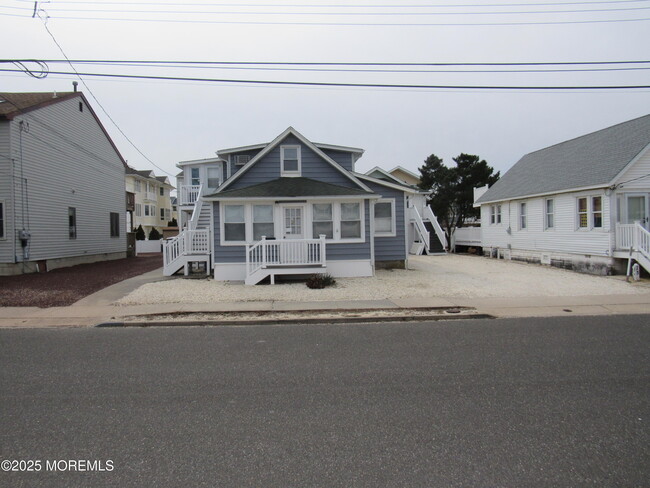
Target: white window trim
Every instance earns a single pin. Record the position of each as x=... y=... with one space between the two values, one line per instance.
x=307 y=216
x=299 y=154
x=495 y=211
x=590 y=213
x=523 y=216
x=546 y=214
x=393 y=224
x=3 y=214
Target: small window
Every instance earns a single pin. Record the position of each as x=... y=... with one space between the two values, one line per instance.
x=72 y=222
x=214 y=179
x=522 y=215
x=597 y=212
x=81 y=107
x=162 y=214
x=138 y=210
x=162 y=191
x=550 y=214
x=263 y=222
x=195 y=177
x=115 y=224
x=493 y=214
x=322 y=222
x=350 y=221
x=290 y=160
x=146 y=210
x=234 y=224
x=2 y=220
x=498 y=214
x=583 y=218
x=385 y=218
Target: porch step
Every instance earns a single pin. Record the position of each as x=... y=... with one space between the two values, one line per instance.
x=262 y=273
x=435 y=246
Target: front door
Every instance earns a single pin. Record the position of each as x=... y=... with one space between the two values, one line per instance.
x=293 y=222
x=637 y=210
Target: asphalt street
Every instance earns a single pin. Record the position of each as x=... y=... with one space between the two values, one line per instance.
x=558 y=402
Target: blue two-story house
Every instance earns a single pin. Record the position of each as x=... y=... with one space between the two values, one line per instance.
x=289 y=207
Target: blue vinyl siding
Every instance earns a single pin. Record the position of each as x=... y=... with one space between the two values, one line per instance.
x=391 y=248
x=341 y=157
x=313 y=166
x=335 y=252
x=225 y=254
x=357 y=250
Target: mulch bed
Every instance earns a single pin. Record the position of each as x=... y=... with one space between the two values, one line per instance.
x=64 y=286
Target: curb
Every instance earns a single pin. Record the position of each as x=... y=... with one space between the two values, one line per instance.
x=305 y=321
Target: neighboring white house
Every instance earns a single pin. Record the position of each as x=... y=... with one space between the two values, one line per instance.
x=582 y=204
x=62 y=198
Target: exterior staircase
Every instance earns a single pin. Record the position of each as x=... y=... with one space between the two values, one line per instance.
x=192 y=245
x=636 y=239
x=431 y=235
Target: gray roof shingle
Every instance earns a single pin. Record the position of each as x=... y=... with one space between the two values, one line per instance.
x=591 y=160
x=290 y=187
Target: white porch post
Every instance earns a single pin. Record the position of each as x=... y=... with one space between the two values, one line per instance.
x=263 y=251
x=323 y=259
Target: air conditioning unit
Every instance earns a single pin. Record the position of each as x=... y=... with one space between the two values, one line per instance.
x=242 y=159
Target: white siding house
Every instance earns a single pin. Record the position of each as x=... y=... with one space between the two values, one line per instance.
x=582 y=204
x=61 y=184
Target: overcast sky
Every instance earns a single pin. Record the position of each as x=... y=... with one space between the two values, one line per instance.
x=171 y=121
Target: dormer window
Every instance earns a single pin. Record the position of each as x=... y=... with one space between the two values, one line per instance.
x=290 y=161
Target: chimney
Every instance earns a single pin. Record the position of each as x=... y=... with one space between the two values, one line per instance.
x=74 y=85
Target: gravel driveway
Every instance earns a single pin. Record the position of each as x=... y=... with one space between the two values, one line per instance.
x=451 y=275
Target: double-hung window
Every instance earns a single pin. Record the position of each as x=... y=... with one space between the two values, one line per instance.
x=522 y=216
x=495 y=214
x=322 y=220
x=234 y=223
x=350 y=220
x=549 y=220
x=72 y=222
x=263 y=222
x=290 y=160
x=146 y=210
x=583 y=213
x=115 y=224
x=162 y=214
x=385 y=218
x=597 y=212
x=162 y=191
x=195 y=178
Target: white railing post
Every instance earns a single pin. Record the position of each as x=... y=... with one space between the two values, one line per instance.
x=263 y=251
x=323 y=259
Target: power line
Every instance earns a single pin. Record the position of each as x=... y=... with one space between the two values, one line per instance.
x=339 y=5
x=99 y=103
x=346 y=14
x=347 y=24
x=349 y=85
x=331 y=63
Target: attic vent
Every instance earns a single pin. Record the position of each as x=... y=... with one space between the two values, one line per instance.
x=242 y=159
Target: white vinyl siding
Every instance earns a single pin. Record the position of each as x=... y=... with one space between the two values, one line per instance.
x=566 y=235
x=67 y=161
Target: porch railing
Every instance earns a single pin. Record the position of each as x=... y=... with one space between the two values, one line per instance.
x=190 y=194
x=286 y=252
x=633 y=237
x=186 y=243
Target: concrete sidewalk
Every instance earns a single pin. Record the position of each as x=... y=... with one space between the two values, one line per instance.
x=91 y=315
x=98 y=308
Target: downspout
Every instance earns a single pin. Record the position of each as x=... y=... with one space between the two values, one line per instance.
x=406 y=232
